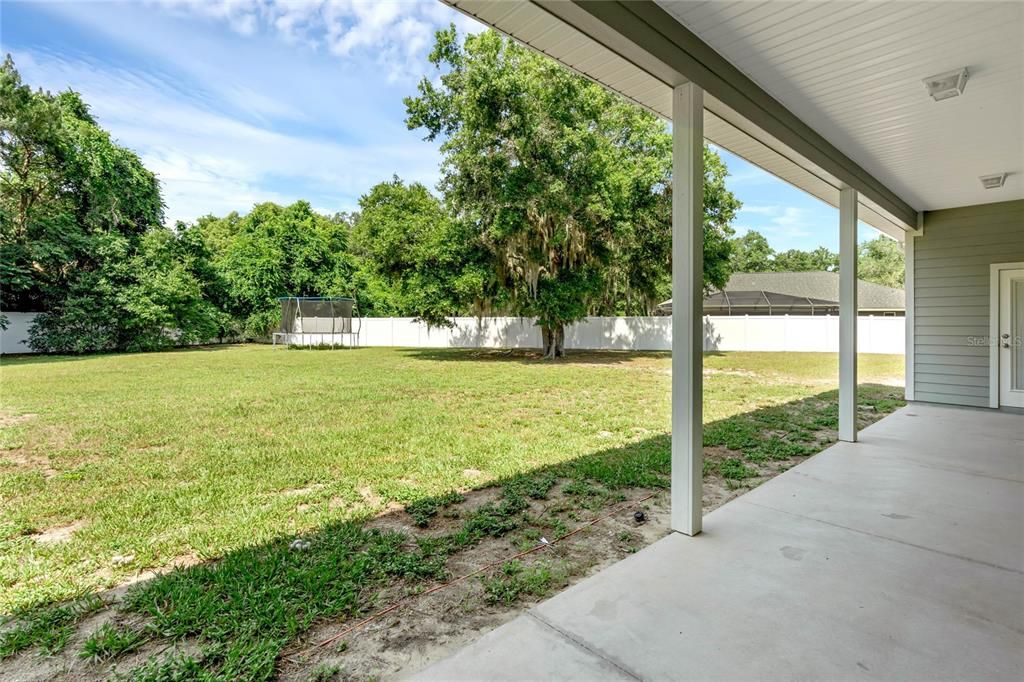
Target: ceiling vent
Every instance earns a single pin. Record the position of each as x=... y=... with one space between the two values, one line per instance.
x=946 y=85
x=993 y=181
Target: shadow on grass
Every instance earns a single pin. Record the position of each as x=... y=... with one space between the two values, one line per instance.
x=243 y=609
x=534 y=356
x=19 y=359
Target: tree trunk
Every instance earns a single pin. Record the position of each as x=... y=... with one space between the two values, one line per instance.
x=554 y=341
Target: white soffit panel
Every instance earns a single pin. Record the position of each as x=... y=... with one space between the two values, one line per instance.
x=853 y=72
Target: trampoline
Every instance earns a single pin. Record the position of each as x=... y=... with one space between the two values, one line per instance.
x=318 y=321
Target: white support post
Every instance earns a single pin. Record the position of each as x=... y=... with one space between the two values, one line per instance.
x=908 y=288
x=848 y=314
x=687 y=307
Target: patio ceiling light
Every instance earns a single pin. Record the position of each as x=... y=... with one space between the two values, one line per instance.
x=946 y=85
x=993 y=181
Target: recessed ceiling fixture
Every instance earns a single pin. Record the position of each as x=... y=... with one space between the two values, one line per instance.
x=993 y=181
x=946 y=85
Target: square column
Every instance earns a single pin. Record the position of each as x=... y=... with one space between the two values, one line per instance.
x=908 y=288
x=687 y=307
x=848 y=314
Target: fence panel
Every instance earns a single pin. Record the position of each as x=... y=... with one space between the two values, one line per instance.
x=725 y=333
x=15 y=338
x=751 y=333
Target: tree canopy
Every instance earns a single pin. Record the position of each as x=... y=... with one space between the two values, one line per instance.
x=74 y=208
x=881 y=261
x=560 y=189
x=275 y=251
x=751 y=252
x=413 y=258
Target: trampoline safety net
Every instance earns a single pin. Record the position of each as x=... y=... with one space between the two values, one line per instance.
x=317 y=321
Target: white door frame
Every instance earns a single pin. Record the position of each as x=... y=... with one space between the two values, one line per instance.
x=993 y=328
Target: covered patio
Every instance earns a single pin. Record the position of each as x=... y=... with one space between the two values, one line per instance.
x=899 y=557
x=898 y=553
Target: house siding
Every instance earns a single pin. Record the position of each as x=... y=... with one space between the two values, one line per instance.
x=951 y=297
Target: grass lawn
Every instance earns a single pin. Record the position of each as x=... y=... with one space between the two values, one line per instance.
x=112 y=465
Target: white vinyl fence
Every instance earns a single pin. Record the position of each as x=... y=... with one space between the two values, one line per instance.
x=759 y=333
x=15 y=338
x=756 y=333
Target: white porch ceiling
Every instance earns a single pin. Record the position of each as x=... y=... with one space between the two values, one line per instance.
x=856 y=68
x=852 y=71
x=538 y=24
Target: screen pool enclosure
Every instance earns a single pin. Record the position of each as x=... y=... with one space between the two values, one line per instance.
x=318 y=321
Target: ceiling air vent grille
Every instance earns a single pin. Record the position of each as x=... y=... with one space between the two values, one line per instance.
x=993 y=181
x=946 y=85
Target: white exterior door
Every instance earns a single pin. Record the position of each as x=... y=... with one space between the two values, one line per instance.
x=1011 y=338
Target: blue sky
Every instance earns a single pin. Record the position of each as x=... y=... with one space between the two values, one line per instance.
x=233 y=102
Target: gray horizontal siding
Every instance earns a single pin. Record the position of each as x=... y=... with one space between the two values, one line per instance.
x=963 y=290
x=951 y=398
x=963 y=361
x=945 y=369
x=951 y=297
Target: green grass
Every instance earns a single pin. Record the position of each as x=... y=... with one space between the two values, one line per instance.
x=49 y=628
x=231 y=453
x=515 y=580
x=110 y=641
x=423 y=510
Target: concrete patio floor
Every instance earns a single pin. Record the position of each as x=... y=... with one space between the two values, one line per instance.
x=898 y=557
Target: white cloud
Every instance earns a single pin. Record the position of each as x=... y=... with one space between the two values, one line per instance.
x=396 y=33
x=783 y=225
x=749 y=175
x=262 y=105
x=794 y=222
x=208 y=161
x=761 y=210
x=242 y=16
x=192 y=186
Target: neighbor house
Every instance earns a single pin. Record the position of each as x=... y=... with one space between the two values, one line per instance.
x=794 y=293
x=900 y=556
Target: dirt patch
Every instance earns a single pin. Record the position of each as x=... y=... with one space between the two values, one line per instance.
x=183 y=561
x=69 y=666
x=8 y=420
x=23 y=458
x=58 y=534
x=429 y=628
x=711 y=371
x=373 y=500
x=717 y=489
x=296 y=492
x=447 y=521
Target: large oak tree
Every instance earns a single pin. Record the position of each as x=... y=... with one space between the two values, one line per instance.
x=81 y=238
x=562 y=189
